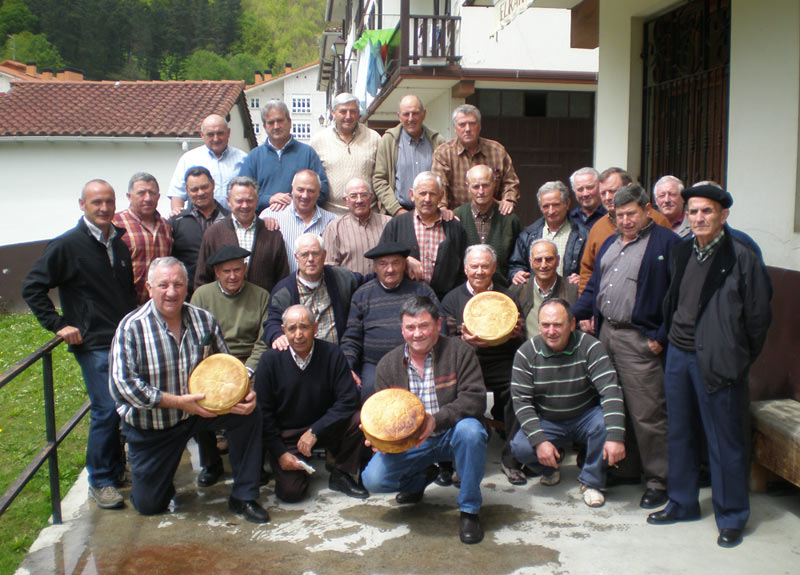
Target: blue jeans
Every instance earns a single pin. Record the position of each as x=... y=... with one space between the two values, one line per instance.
x=103 y=450
x=588 y=428
x=465 y=443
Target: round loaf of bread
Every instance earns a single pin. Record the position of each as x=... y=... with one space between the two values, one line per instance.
x=491 y=316
x=392 y=420
x=224 y=381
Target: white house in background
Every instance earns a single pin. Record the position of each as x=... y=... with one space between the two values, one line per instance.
x=298 y=89
x=535 y=90
x=55 y=136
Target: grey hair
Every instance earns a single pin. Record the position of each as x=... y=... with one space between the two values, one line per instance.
x=344 y=98
x=422 y=176
x=555 y=185
x=587 y=171
x=286 y=312
x=141 y=177
x=165 y=262
x=668 y=179
x=631 y=193
x=542 y=241
x=94 y=181
x=275 y=105
x=467 y=110
x=418 y=304
x=242 y=181
x=306 y=236
x=357 y=180
x=480 y=248
x=479 y=167
x=307 y=171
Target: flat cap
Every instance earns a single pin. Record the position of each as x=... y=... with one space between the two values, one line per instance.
x=709 y=191
x=388 y=249
x=226 y=254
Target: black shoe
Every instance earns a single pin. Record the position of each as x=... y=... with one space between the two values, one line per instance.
x=342 y=482
x=729 y=537
x=445 y=476
x=653 y=498
x=406 y=498
x=470 y=531
x=211 y=474
x=612 y=480
x=668 y=516
x=250 y=510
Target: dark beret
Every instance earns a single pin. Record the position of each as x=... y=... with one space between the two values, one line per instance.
x=719 y=195
x=388 y=249
x=226 y=254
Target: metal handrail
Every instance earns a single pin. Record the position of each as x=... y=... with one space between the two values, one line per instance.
x=49 y=452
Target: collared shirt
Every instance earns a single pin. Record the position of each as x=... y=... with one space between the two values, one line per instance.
x=579 y=216
x=422 y=384
x=471 y=290
x=451 y=161
x=539 y=295
x=246 y=236
x=147 y=361
x=316 y=298
x=412 y=159
x=682 y=227
x=222 y=169
x=292 y=227
x=428 y=237
x=560 y=237
x=278 y=151
x=299 y=361
x=619 y=272
x=98 y=235
x=145 y=245
x=705 y=252
x=347 y=239
x=483 y=221
x=206 y=222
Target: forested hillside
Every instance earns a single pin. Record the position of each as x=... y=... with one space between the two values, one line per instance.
x=162 y=39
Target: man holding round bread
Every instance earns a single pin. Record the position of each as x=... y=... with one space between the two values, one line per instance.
x=453 y=407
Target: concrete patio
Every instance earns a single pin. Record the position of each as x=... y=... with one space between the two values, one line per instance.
x=529 y=529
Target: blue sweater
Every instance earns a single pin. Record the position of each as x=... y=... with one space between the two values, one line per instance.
x=274 y=175
x=652 y=284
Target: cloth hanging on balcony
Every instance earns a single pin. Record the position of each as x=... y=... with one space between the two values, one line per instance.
x=370 y=76
x=379 y=37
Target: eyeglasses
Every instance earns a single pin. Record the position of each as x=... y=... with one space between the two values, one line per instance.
x=358 y=196
x=547 y=259
x=306 y=255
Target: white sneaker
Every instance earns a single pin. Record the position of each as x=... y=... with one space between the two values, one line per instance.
x=552 y=479
x=592 y=497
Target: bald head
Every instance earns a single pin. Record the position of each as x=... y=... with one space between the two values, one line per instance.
x=411 y=114
x=215 y=133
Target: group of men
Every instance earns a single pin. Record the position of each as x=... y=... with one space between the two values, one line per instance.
x=289 y=266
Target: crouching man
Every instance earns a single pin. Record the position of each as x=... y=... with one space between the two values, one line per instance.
x=154 y=350
x=565 y=390
x=445 y=374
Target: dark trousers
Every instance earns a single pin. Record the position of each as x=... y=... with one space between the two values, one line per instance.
x=344 y=440
x=724 y=417
x=104 y=459
x=497 y=377
x=154 y=455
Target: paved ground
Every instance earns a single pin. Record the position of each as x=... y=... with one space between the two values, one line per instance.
x=529 y=530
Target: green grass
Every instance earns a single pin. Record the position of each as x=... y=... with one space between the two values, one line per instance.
x=22 y=433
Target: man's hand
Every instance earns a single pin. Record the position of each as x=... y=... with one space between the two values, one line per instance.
x=271 y=224
x=72 y=335
x=281 y=343
x=279 y=201
x=356 y=378
x=547 y=454
x=613 y=452
x=587 y=326
x=472 y=339
x=574 y=279
x=246 y=405
x=414 y=268
x=289 y=462
x=176 y=206
x=517 y=328
x=306 y=442
x=447 y=215
x=520 y=278
x=187 y=403
x=505 y=207
x=428 y=426
x=654 y=346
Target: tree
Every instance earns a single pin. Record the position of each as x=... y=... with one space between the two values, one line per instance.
x=206 y=65
x=15 y=17
x=27 y=47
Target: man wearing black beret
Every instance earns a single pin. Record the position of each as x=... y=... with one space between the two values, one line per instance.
x=716 y=312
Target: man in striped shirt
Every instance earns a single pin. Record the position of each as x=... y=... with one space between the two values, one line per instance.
x=564 y=389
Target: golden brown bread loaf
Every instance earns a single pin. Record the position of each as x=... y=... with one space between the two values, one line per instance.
x=491 y=316
x=392 y=420
x=224 y=381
